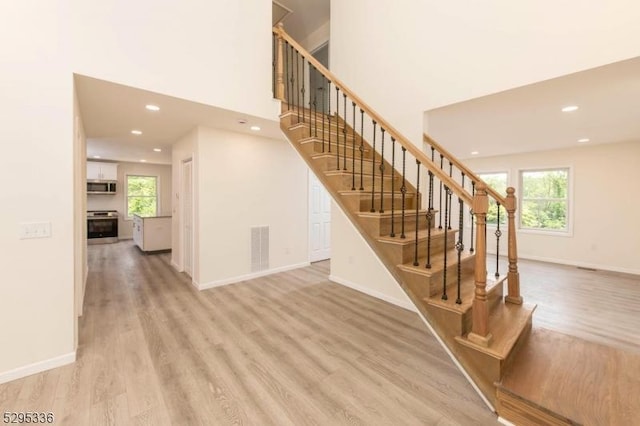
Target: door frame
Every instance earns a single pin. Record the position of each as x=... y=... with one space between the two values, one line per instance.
x=183 y=215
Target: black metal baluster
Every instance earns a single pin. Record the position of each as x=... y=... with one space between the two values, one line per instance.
x=415 y=200
x=393 y=190
x=353 y=149
x=344 y=134
x=291 y=78
x=460 y=244
x=440 y=202
x=373 y=169
x=498 y=235
x=329 y=113
x=429 y=217
x=403 y=191
x=286 y=71
x=446 y=232
x=382 y=172
x=303 y=90
x=450 y=193
x=361 y=148
x=321 y=89
x=473 y=194
x=315 y=117
x=298 y=83
x=337 y=133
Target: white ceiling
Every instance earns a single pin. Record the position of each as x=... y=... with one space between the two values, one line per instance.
x=306 y=17
x=110 y=111
x=529 y=118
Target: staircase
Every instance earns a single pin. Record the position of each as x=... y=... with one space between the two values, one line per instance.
x=424 y=214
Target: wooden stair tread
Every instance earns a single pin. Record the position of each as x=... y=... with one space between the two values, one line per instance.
x=411 y=236
x=349 y=173
x=332 y=156
x=386 y=214
x=377 y=194
x=506 y=323
x=467 y=290
x=437 y=263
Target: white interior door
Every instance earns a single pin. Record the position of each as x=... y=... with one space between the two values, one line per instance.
x=319 y=220
x=187 y=215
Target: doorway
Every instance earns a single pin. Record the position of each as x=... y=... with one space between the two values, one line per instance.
x=319 y=220
x=187 y=216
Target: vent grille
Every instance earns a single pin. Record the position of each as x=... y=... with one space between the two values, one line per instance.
x=259 y=248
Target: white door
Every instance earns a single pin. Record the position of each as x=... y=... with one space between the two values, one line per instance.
x=187 y=216
x=319 y=220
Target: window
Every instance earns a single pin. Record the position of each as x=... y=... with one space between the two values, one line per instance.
x=545 y=199
x=142 y=195
x=497 y=181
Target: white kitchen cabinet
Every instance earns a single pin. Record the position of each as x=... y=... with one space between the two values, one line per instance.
x=152 y=233
x=97 y=170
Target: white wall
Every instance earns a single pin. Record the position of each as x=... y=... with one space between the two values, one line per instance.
x=419 y=55
x=184 y=149
x=606 y=231
x=247 y=181
x=353 y=258
x=211 y=52
x=36 y=105
x=79 y=210
x=118 y=200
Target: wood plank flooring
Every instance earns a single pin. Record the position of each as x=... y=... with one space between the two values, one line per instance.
x=287 y=349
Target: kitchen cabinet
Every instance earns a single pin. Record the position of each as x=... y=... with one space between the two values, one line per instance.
x=97 y=170
x=152 y=233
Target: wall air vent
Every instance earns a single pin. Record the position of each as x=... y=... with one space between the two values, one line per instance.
x=259 y=248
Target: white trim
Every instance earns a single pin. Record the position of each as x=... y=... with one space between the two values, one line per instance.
x=406 y=304
x=606 y=268
x=237 y=279
x=505 y=421
x=37 y=367
x=175 y=266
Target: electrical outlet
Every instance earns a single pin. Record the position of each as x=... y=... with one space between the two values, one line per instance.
x=35 y=230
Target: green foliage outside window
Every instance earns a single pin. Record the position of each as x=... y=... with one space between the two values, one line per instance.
x=497 y=181
x=142 y=195
x=545 y=199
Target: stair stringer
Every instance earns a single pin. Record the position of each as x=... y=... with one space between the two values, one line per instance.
x=484 y=386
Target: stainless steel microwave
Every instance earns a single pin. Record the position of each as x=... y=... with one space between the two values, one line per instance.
x=101 y=187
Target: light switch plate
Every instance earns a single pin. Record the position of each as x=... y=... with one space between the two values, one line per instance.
x=35 y=230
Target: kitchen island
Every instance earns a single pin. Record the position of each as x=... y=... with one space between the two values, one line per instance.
x=152 y=233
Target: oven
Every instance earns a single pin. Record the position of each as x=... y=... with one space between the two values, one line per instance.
x=102 y=226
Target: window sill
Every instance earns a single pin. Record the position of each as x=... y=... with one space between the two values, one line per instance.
x=548 y=233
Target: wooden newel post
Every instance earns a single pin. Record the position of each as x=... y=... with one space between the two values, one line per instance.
x=480 y=327
x=513 y=278
x=280 y=65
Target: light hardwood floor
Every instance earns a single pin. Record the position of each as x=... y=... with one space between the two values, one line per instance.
x=287 y=349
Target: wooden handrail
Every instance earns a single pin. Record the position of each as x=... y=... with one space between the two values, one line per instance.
x=413 y=150
x=499 y=198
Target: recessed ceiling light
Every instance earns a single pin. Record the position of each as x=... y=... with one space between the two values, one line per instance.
x=474 y=153
x=136 y=132
x=157 y=149
x=143 y=161
x=570 y=108
x=583 y=140
x=255 y=128
x=96 y=156
x=152 y=107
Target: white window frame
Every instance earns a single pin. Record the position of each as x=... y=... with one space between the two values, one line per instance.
x=126 y=193
x=504 y=210
x=568 y=232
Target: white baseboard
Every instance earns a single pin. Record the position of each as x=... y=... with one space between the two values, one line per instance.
x=505 y=422
x=233 y=280
x=580 y=264
x=374 y=293
x=37 y=367
x=176 y=266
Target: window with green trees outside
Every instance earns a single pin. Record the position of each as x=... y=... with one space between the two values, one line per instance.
x=142 y=195
x=497 y=181
x=544 y=201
